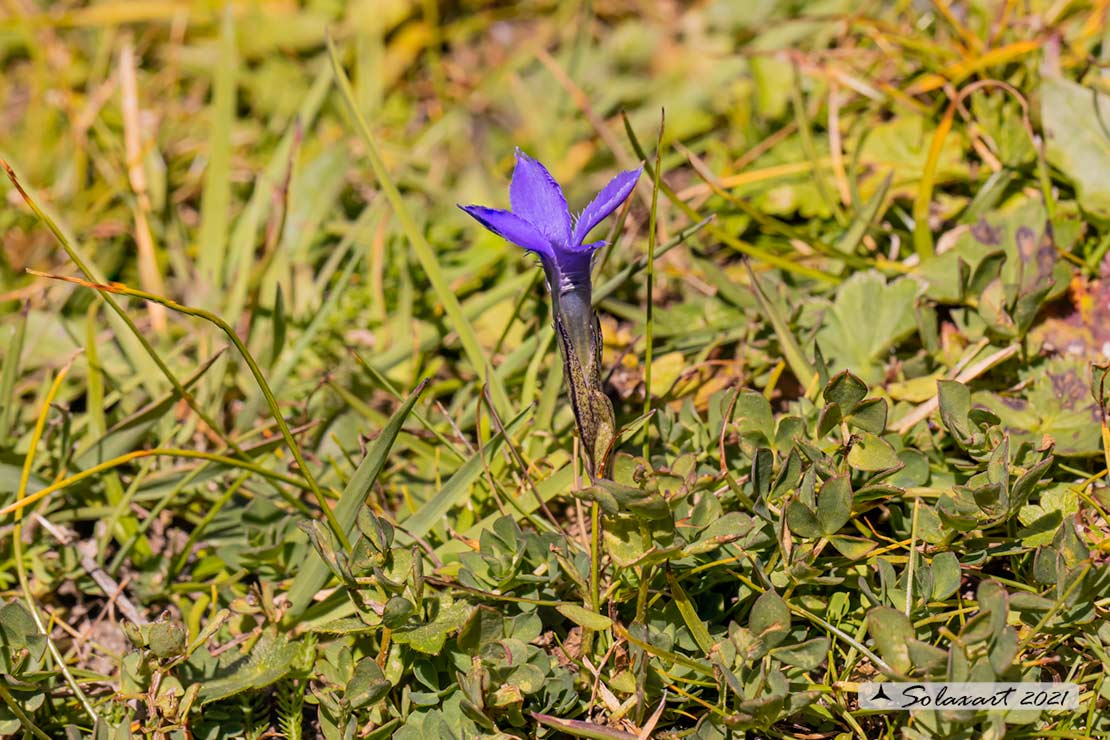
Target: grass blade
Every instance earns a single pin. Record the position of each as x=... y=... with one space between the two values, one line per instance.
x=922 y=234
x=241 y=267
x=613 y=284
x=140 y=353
x=805 y=134
x=649 y=322
x=215 y=199
x=801 y=367
x=689 y=614
x=126 y=432
x=423 y=250
x=315 y=573
x=8 y=373
x=285 y=363
x=725 y=237
x=457 y=487
x=865 y=220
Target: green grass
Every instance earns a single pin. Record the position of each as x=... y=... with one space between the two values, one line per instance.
x=284 y=445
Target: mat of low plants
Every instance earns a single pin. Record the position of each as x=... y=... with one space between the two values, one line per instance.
x=767 y=358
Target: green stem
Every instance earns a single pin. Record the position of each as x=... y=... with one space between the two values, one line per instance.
x=649 y=336
x=24 y=501
x=256 y=371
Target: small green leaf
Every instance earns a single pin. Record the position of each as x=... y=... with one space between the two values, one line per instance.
x=787 y=477
x=1041 y=530
x=926 y=656
x=1075 y=119
x=368 y=684
x=845 y=390
x=1003 y=650
x=958 y=510
x=269 y=661
x=805 y=655
x=1027 y=483
x=891 y=630
x=18 y=632
x=762 y=469
x=376 y=530
x=802 y=520
x=1023 y=601
x=397 y=611
x=851 y=546
x=994 y=310
x=872 y=454
x=753 y=416
x=828 y=420
x=987 y=271
x=636 y=501
x=527 y=678
x=769 y=619
x=867 y=318
x=869 y=415
x=976 y=629
x=955 y=404
x=343 y=626
x=325 y=546
x=600 y=496
x=1029 y=304
x=992 y=598
x=925 y=314
x=946 y=575
x=690 y=615
x=834 y=504
x=430 y=638
x=584 y=617
x=731 y=526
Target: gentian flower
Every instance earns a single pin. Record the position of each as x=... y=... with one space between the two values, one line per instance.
x=541 y=223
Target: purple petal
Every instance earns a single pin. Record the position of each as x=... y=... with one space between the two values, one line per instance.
x=574 y=269
x=586 y=248
x=607 y=201
x=513 y=228
x=538 y=199
x=574 y=265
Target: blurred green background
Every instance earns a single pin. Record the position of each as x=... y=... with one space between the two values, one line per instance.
x=922 y=188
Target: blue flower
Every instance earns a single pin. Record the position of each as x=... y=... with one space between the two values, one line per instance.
x=541 y=223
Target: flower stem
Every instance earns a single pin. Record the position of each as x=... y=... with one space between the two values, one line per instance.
x=649 y=335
